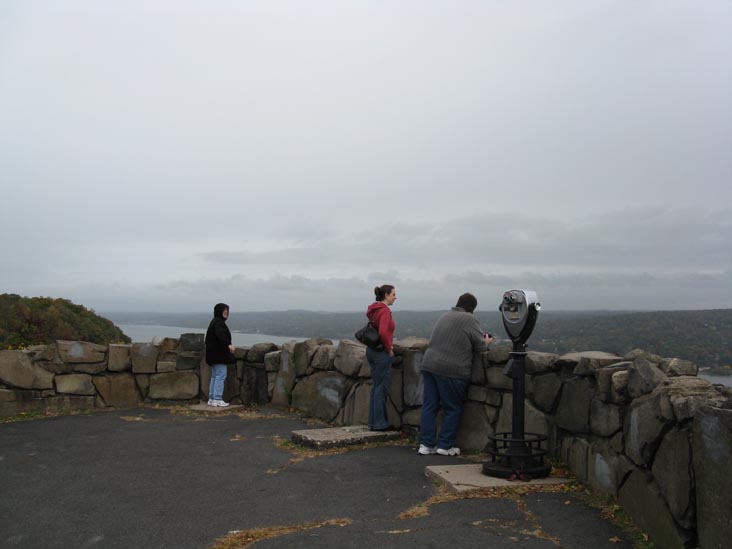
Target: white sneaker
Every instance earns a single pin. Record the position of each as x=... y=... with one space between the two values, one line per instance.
x=426 y=450
x=449 y=452
x=222 y=404
x=211 y=402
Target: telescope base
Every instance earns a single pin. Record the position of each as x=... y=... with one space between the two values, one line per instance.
x=518 y=457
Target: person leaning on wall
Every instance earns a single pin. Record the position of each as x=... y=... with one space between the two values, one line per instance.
x=446 y=374
x=219 y=353
x=379 y=316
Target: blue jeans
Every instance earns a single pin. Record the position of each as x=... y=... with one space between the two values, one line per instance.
x=218 y=376
x=380 y=363
x=449 y=392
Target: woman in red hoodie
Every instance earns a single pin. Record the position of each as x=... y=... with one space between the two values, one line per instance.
x=380 y=361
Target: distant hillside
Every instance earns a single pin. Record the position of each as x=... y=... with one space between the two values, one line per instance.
x=702 y=336
x=33 y=320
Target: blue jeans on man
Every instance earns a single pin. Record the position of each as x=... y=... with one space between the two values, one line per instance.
x=380 y=363
x=450 y=393
x=218 y=377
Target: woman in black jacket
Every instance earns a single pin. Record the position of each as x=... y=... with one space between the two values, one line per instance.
x=219 y=353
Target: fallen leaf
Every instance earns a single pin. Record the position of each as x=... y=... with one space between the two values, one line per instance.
x=615 y=539
x=568 y=502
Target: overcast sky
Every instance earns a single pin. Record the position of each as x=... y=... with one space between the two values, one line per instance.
x=166 y=155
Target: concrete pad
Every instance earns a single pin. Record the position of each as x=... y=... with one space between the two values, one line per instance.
x=462 y=478
x=203 y=407
x=332 y=437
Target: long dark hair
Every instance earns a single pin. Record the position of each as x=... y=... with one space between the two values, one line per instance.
x=382 y=291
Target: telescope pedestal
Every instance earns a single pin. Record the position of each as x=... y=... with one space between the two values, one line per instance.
x=517 y=454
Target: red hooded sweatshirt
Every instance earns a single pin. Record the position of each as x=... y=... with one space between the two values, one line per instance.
x=379 y=315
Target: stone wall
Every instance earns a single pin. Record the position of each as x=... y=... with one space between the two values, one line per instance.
x=640 y=427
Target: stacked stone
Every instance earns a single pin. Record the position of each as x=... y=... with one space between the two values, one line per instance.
x=77 y=375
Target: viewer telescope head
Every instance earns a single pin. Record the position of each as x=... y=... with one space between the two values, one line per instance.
x=519 y=309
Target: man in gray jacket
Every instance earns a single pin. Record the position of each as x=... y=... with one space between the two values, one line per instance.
x=446 y=374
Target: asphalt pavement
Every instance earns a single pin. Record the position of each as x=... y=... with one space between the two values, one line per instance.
x=149 y=478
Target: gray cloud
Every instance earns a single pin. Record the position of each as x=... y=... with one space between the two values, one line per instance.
x=294 y=158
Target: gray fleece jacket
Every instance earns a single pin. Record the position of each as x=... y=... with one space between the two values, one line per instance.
x=455 y=337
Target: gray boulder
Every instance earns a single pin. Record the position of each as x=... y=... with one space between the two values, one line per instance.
x=619 y=387
x=534 y=420
x=573 y=411
x=272 y=361
x=191 y=342
x=572 y=360
x=603 y=376
x=498 y=355
x=644 y=377
x=575 y=453
x=539 y=363
x=302 y=354
x=350 y=357
x=144 y=357
x=324 y=357
x=81 y=351
x=605 y=418
x=16 y=370
x=74 y=384
x=648 y=418
x=413 y=384
x=480 y=393
x=496 y=379
x=321 y=395
x=119 y=358
x=672 y=471
x=188 y=360
x=118 y=390
x=174 y=386
x=673 y=367
x=640 y=353
x=545 y=390
x=166 y=344
x=475 y=426
x=256 y=352
x=410 y=343
x=356 y=407
x=641 y=498
x=688 y=395
x=285 y=380
x=712 y=451
x=254 y=385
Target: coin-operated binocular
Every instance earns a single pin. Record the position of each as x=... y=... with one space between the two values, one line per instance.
x=517 y=455
x=519 y=309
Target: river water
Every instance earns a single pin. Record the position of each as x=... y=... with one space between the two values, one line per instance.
x=144 y=333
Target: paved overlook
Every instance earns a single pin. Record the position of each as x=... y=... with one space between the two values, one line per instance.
x=153 y=478
x=639 y=429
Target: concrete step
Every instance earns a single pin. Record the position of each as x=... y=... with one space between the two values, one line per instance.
x=332 y=437
x=462 y=478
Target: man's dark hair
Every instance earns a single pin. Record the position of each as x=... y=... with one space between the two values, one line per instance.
x=467 y=302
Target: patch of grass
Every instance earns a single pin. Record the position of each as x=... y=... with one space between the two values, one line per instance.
x=302 y=453
x=244 y=538
x=28 y=416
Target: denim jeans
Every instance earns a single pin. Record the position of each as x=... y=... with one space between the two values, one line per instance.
x=449 y=392
x=380 y=363
x=218 y=376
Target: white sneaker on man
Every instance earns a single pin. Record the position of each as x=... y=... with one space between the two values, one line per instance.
x=426 y=450
x=221 y=403
x=211 y=402
x=449 y=452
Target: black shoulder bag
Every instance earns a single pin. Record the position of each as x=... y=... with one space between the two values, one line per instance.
x=369 y=336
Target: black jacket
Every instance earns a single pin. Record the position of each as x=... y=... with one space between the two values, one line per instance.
x=218 y=338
